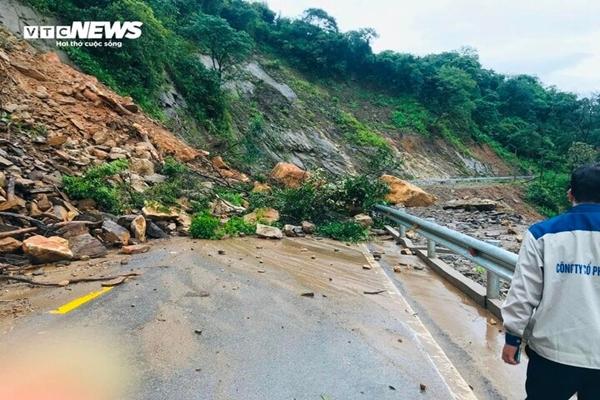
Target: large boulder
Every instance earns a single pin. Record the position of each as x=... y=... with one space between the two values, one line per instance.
x=262 y=215
x=292 y=230
x=41 y=249
x=407 y=194
x=153 y=231
x=268 y=232
x=289 y=175
x=308 y=227
x=114 y=234
x=85 y=245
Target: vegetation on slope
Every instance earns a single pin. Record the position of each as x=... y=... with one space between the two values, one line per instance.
x=448 y=95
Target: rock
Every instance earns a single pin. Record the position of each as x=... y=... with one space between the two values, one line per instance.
x=9 y=245
x=85 y=245
x=263 y=216
x=289 y=175
x=114 y=234
x=292 y=230
x=308 y=227
x=43 y=203
x=261 y=188
x=158 y=213
x=268 y=232
x=227 y=172
x=138 y=228
x=222 y=207
x=135 y=249
x=43 y=249
x=185 y=221
x=474 y=204
x=364 y=220
x=405 y=193
x=153 y=231
x=141 y=166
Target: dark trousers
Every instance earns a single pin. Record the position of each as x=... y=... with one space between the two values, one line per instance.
x=548 y=380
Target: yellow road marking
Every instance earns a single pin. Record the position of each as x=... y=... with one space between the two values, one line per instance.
x=70 y=306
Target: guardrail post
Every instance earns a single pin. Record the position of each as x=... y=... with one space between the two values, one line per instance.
x=492 y=286
x=431 y=253
x=402 y=230
x=493 y=281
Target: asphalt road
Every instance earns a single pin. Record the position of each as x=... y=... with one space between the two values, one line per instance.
x=202 y=325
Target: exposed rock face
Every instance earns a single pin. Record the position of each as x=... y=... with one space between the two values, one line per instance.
x=9 y=245
x=474 y=204
x=289 y=175
x=268 y=232
x=115 y=234
x=43 y=250
x=364 y=220
x=263 y=216
x=85 y=245
x=407 y=194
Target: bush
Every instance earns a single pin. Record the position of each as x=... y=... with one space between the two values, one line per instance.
x=345 y=231
x=205 y=226
x=95 y=184
x=548 y=195
x=237 y=225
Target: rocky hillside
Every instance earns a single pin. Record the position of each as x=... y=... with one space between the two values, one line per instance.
x=276 y=113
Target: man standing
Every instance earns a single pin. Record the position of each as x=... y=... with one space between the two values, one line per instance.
x=554 y=300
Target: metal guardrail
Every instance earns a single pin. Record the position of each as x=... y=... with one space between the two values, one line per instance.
x=475 y=179
x=499 y=263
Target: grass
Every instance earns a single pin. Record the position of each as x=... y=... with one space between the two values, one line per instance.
x=358 y=133
x=348 y=231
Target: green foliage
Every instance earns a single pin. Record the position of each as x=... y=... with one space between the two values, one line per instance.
x=412 y=116
x=236 y=226
x=580 y=154
x=549 y=194
x=233 y=197
x=320 y=201
x=173 y=168
x=215 y=36
x=206 y=226
x=358 y=133
x=345 y=231
x=96 y=184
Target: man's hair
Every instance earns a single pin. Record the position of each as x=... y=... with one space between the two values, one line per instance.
x=585 y=184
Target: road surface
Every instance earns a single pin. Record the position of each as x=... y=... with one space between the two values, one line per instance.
x=202 y=325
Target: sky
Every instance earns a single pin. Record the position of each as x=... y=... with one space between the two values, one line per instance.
x=555 y=40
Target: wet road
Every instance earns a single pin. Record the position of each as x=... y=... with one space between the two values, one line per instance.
x=204 y=325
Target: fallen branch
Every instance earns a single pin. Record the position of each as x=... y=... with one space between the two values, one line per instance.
x=374 y=292
x=66 y=282
x=17 y=232
x=33 y=221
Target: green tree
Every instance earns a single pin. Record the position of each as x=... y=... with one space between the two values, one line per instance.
x=581 y=154
x=225 y=46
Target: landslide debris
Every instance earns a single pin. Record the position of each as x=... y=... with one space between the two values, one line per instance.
x=56 y=121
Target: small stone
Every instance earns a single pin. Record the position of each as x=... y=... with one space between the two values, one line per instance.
x=135 y=249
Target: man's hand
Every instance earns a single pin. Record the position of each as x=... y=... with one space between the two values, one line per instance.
x=508 y=354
